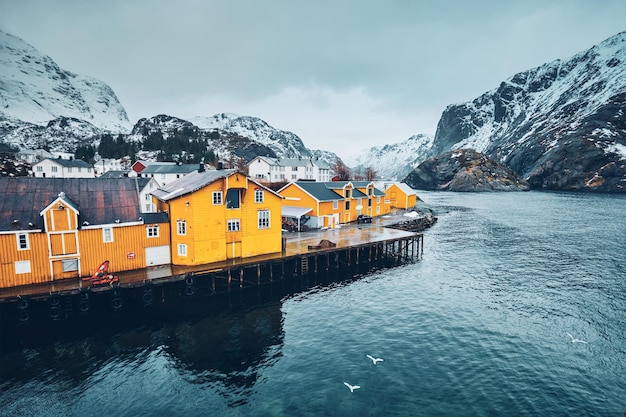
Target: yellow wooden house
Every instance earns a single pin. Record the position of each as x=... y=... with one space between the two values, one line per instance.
x=399 y=194
x=221 y=214
x=57 y=228
x=336 y=202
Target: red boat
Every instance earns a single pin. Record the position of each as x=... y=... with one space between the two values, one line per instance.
x=102 y=276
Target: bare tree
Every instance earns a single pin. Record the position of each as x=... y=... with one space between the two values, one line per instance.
x=341 y=170
x=370 y=173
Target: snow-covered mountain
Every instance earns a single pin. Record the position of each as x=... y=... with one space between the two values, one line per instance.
x=35 y=90
x=44 y=106
x=561 y=125
x=284 y=144
x=393 y=161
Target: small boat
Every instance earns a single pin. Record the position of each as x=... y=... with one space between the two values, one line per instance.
x=102 y=276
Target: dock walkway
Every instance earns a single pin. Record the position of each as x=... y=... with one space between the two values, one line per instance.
x=298 y=244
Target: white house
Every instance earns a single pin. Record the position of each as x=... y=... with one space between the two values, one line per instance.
x=268 y=170
x=106 y=165
x=31 y=156
x=63 y=168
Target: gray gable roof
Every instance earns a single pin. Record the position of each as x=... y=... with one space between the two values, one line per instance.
x=190 y=183
x=157 y=168
x=70 y=163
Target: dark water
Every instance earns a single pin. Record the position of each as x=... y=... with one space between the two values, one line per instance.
x=478 y=327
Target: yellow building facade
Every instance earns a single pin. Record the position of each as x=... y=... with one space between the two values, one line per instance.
x=47 y=235
x=337 y=202
x=218 y=215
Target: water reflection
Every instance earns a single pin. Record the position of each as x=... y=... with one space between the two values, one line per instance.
x=225 y=348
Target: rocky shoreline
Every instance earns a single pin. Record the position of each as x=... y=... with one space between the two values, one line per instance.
x=417 y=225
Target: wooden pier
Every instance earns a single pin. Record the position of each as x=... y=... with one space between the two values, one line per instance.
x=171 y=289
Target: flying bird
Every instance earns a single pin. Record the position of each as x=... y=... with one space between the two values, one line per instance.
x=352 y=387
x=575 y=340
x=374 y=360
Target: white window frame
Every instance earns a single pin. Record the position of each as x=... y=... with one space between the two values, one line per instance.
x=259 y=196
x=263 y=219
x=182 y=249
x=218 y=199
x=335 y=204
x=23 y=245
x=54 y=169
x=22 y=267
x=234 y=225
x=181 y=227
x=152 y=231
x=107 y=234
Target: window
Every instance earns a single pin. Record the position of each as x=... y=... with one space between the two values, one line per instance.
x=370 y=191
x=148 y=207
x=264 y=219
x=335 y=204
x=377 y=200
x=69 y=169
x=258 y=196
x=80 y=169
x=360 y=202
x=22 y=267
x=369 y=202
x=54 y=169
x=232 y=198
x=217 y=198
x=153 y=231
x=348 y=192
x=347 y=204
x=69 y=265
x=39 y=168
x=22 y=241
x=182 y=249
x=294 y=176
x=377 y=209
x=234 y=225
x=181 y=227
x=147 y=197
x=107 y=234
x=294 y=168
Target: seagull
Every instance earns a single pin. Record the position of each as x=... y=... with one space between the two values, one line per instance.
x=352 y=387
x=374 y=360
x=575 y=340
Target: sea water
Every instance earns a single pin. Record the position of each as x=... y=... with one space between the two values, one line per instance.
x=517 y=307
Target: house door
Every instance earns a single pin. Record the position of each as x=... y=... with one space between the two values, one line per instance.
x=65 y=268
x=158 y=255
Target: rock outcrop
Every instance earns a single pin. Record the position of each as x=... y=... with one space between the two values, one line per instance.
x=464 y=170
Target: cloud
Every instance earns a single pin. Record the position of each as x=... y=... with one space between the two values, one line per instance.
x=347 y=74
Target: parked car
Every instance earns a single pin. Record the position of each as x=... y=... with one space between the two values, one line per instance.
x=363 y=218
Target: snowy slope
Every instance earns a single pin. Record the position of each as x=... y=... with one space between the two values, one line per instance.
x=393 y=161
x=284 y=144
x=560 y=125
x=34 y=89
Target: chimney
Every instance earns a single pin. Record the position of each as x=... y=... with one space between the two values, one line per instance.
x=220 y=166
x=201 y=167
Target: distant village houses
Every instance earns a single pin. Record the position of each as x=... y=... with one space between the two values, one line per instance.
x=63 y=168
x=276 y=170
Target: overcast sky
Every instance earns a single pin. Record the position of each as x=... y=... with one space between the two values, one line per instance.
x=342 y=75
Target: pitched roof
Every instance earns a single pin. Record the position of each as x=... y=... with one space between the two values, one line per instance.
x=99 y=201
x=364 y=184
x=169 y=168
x=69 y=163
x=190 y=183
x=401 y=185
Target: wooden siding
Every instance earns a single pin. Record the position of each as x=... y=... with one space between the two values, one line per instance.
x=126 y=252
x=208 y=239
x=37 y=255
